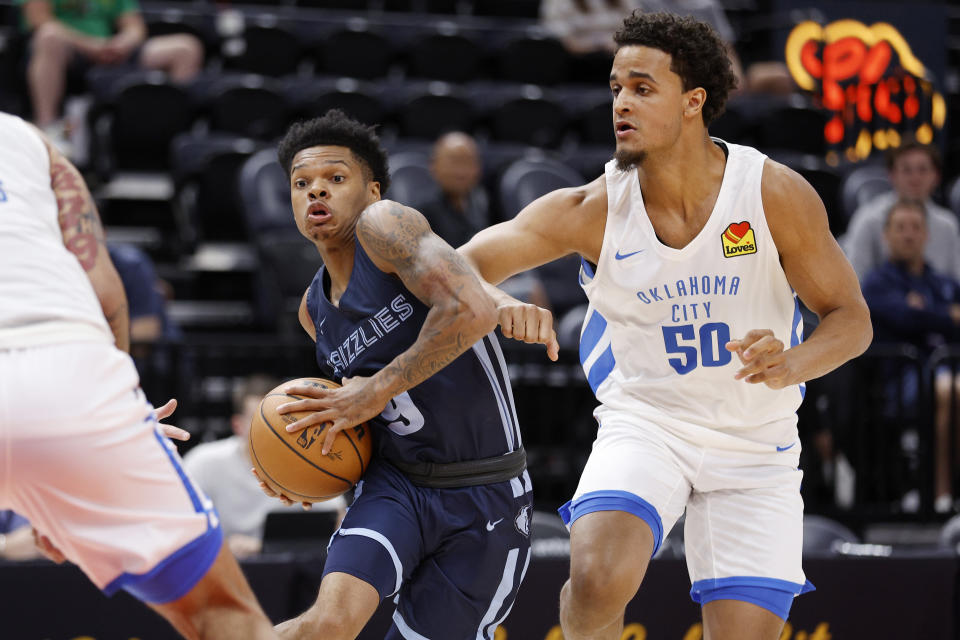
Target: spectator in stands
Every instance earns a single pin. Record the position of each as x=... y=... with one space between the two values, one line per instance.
x=912 y=302
x=460 y=206
x=16 y=537
x=98 y=32
x=914 y=171
x=146 y=295
x=223 y=471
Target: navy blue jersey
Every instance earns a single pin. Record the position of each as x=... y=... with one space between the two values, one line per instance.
x=463 y=412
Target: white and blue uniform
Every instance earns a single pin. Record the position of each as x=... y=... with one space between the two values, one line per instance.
x=81 y=455
x=677 y=431
x=454 y=557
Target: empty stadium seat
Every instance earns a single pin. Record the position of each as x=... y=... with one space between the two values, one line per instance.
x=265 y=195
x=248 y=105
x=264 y=48
x=528 y=115
x=452 y=57
x=953 y=195
x=529 y=178
x=122 y=142
x=533 y=58
x=359 y=100
x=795 y=128
x=431 y=110
x=823 y=536
x=355 y=52
x=410 y=179
x=861 y=185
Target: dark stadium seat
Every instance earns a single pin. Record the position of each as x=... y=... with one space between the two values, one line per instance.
x=355 y=52
x=528 y=115
x=265 y=195
x=122 y=141
x=208 y=202
x=428 y=111
x=531 y=177
x=358 y=99
x=952 y=193
x=533 y=58
x=862 y=184
x=410 y=179
x=507 y=8
x=569 y=327
x=823 y=536
x=795 y=128
x=448 y=56
x=595 y=123
x=264 y=48
x=247 y=105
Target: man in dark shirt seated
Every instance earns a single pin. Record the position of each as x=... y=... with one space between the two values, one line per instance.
x=910 y=302
x=459 y=207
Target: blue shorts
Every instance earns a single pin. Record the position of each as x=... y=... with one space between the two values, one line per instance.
x=453 y=557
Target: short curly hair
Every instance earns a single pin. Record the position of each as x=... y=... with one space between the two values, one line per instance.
x=697 y=53
x=335 y=128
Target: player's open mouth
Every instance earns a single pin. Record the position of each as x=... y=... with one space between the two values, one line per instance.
x=318 y=213
x=623 y=128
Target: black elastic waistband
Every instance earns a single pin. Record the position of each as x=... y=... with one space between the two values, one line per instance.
x=450 y=475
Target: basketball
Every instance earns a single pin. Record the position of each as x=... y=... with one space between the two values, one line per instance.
x=292 y=463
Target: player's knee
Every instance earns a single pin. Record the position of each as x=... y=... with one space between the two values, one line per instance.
x=49 y=37
x=599 y=586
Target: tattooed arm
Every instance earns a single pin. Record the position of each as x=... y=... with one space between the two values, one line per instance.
x=399 y=241
x=83 y=236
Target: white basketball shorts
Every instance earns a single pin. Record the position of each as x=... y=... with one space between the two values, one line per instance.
x=82 y=458
x=744 y=526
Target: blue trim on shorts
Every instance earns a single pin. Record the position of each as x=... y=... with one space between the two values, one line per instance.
x=175 y=575
x=614 y=501
x=179 y=572
x=772 y=594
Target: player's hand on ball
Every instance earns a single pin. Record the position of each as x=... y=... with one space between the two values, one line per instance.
x=528 y=323
x=273 y=494
x=763 y=359
x=341 y=408
x=172 y=432
x=47 y=548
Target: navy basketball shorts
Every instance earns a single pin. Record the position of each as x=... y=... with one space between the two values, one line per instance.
x=452 y=558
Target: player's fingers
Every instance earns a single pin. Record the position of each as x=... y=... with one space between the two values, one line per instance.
x=167 y=409
x=308 y=390
x=766 y=344
x=553 y=347
x=332 y=431
x=505 y=319
x=308 y=404
x=175 y=433
x=306 y=506
x=308 y=421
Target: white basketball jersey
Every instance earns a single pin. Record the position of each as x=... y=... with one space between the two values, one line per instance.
x=45 y=296
x=653 y=338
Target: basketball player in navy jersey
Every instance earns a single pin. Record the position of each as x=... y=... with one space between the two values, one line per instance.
x=694 y=251
x=441 y=518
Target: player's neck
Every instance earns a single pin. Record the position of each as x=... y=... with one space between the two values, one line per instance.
x=680 y=178
x=338 y=262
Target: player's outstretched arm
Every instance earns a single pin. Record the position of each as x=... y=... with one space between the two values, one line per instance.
x=823 y=278
x=560 y=223
x=83 y=236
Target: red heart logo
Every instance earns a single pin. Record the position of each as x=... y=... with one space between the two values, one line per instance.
x=738 y=230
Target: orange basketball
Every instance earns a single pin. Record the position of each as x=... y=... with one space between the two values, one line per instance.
x=292 y=463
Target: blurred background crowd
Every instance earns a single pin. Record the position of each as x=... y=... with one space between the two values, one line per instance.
x=172 y=109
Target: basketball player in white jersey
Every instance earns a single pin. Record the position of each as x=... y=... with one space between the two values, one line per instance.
x=81 y=453
x=692 y=250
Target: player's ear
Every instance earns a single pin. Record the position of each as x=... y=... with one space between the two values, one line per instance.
x=374 y=190
x=693 y=101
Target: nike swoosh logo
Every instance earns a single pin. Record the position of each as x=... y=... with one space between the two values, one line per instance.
x=624 y=256
x=790 y=446
x=491 y=525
